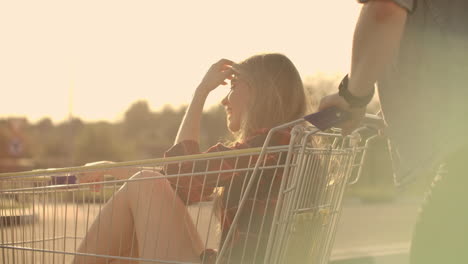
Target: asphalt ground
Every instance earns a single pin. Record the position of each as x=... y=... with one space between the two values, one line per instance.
x=375 y=233
x=368 y=233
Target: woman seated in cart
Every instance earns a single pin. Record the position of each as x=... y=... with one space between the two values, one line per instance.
x=149 y=220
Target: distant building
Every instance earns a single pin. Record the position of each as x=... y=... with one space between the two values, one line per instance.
x=14 y=148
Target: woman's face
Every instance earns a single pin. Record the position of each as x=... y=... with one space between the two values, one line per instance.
x=235 y=103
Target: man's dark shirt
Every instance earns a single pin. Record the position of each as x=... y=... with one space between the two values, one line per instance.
x=424 y=95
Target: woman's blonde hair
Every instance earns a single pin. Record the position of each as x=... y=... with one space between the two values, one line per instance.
x=276 y=96
x=276 y=92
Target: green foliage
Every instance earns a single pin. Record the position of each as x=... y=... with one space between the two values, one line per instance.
x=98 y=141
x=142 y=134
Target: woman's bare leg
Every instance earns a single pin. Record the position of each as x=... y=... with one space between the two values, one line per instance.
x=164 y=228
x=146 y=218
x=112 y=232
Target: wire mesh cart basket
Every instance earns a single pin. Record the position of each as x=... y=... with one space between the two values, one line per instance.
x=270 y=204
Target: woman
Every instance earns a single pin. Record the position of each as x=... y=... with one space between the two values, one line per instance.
x=266 y=91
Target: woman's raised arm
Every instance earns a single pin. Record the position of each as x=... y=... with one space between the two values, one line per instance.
x=217 y=74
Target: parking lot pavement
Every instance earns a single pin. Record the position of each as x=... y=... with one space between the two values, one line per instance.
x=376 y=233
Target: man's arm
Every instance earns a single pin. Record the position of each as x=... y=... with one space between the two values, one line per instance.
x=376 y=42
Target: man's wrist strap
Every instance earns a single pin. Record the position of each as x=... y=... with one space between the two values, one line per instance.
x=353 y=101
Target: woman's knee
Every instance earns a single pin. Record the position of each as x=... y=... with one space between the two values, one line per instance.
x=145 y=180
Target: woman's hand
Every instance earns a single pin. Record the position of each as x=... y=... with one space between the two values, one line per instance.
x=216 y=75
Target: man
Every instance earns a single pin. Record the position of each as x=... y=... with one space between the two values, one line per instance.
x=417 y=53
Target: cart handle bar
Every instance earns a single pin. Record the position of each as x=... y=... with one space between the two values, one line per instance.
x=328 y=118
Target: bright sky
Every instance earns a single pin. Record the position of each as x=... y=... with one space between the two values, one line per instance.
x=97 y=57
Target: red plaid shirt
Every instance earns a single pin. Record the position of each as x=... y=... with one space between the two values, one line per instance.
x=261 y=202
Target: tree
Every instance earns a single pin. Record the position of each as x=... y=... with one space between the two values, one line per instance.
x=98 y=142
x=137 y=118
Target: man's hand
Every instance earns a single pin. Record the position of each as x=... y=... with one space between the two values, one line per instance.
x=357 y=114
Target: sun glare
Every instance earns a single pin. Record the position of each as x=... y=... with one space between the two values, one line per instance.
x=55 y=62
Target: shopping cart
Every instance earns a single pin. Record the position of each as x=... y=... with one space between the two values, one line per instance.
x=45 y=222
